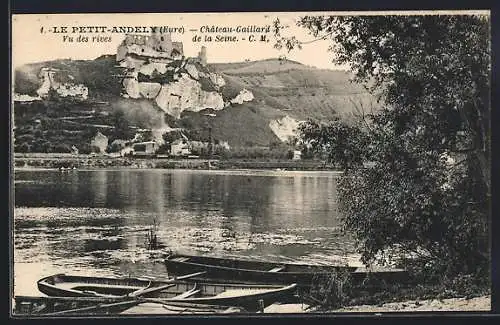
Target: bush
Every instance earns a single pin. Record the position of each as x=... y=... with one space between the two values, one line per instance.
x=331 y=291
x=165 y=164
x=84 y=149
x=24 y=147
x=19 y=163
x=61 y=148
x=114 y=147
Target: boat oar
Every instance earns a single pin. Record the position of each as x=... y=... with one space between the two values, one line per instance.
x=190 y=306
x=142 y=292
x=187 y=276
x=128 y=304
x=182 y=277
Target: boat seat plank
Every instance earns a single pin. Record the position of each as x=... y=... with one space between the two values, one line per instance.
x=186 y=294
x=71 y=285
x=240 y=292
x=181 y=259
x=277 y=269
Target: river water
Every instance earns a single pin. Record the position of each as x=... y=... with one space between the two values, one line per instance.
x=95 y=222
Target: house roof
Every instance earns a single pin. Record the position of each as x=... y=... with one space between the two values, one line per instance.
x=146 y=142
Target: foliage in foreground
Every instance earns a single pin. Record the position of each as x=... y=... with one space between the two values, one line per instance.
x=338 y=290
x=417 y=181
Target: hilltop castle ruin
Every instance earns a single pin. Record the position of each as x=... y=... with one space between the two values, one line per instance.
x=158 y=45
x=156 y=69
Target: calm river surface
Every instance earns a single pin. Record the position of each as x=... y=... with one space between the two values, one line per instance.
x=95 y=222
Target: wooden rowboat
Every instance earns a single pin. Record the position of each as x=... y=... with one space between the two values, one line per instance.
x=229 y=270
x=249 y=297
x=246 y=271
x=67 y=306
x=53 y=306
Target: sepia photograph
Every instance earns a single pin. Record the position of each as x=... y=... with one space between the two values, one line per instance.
x=250 y=163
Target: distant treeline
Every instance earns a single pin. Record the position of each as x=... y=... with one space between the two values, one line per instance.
x=58 y=162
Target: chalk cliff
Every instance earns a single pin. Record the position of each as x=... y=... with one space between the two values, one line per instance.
x=50 y=81
x=285 y=127
x=175 y=87
x=157 y=71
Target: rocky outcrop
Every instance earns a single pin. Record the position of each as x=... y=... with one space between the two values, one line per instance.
x=149 y=89
x=285 y=127
x=244 y=96
x=157 y=70
x=131 y=87
x=175 y=86
x=66 y=89
x=150 y=68
x=100 y=141
x=186 y=94
x=24 y=98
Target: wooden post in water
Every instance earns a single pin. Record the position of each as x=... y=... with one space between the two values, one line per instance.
x=261 y=305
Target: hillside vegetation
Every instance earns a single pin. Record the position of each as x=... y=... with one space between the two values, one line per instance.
x=280 y=88
x=298 y=90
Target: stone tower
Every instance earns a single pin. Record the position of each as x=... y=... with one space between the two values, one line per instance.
x=161 y=42
x=202 y=55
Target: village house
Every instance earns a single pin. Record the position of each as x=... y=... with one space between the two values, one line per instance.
x=297 y=155
x=180 y=147
x=147 y=148
x=197 y=146
x=225 y=145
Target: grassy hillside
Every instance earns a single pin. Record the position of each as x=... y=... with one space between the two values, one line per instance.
x=260 y=67
x=280 y=88
x=298 y=90
x=240 y=125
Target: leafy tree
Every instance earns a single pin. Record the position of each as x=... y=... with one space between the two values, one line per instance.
x=427 y=192
x=85 y=148
x=113 y=147
x=24 y=147
x=121 y=125
x=147 y=136
x=342 y=143
x=169 y=137
x=61 y=148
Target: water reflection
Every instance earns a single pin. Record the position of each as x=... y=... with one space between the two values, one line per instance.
x=92 y=245
x=98 y=219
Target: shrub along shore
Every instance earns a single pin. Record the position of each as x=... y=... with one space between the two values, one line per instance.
x=418 y=292
x=89 y=162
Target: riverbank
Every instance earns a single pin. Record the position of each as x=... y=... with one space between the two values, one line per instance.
x=463 y=304
x=58 y=161
x=476 y=304
x=482 y=303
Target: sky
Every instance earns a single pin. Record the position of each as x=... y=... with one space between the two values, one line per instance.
x=30 y=44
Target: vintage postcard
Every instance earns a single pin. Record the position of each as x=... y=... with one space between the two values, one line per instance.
x=250 y=163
